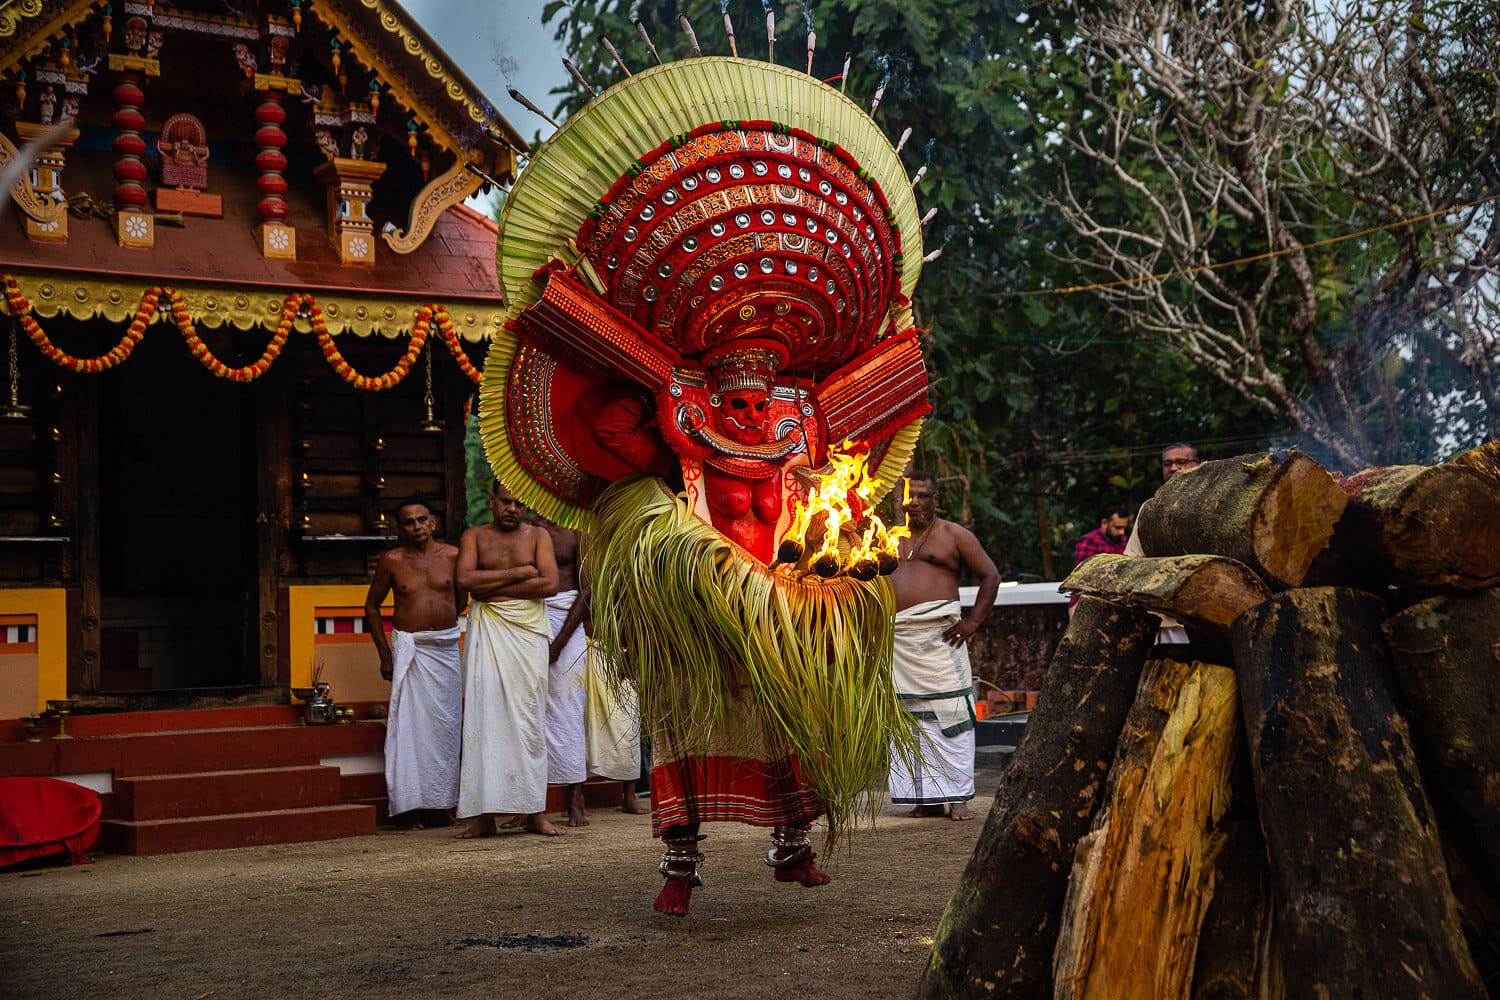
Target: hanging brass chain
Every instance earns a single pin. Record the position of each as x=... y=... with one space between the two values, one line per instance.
x=15 y=367
x=15 y=411
x=430 y=422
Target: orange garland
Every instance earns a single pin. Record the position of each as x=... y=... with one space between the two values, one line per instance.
x=455 y=347
x=149 y=308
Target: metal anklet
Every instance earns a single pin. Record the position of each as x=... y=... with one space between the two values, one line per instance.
x=681 y=860
x=794 y=841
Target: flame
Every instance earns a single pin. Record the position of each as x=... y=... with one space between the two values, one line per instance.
x=846 y=476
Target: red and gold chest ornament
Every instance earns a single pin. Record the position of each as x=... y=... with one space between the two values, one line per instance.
x=709 y=271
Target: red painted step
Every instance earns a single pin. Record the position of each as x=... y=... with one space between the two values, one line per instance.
x=208 y=833
x=175 y=752
x=215 y=793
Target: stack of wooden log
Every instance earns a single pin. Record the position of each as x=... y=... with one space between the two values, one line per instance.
x=1307 y=803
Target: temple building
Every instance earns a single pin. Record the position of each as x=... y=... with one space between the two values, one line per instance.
x=243 y=305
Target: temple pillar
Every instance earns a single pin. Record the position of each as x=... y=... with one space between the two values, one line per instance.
x=47 y=181
x=135 y=226
x=275 y=238
x=350 y=229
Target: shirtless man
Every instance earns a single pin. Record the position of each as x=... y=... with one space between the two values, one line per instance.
x=567 y=610
x=509 y=568
x=421 y=660
x=932 y=656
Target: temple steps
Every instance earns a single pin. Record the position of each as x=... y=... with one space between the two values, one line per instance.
x=242 y=829
x=206 y=779
x=215 y=793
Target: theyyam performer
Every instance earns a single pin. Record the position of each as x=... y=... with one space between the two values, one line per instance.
x=709 y=362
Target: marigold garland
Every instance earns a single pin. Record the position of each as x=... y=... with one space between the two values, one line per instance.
x=455 y=346
x=378 y=383
x=295 y=303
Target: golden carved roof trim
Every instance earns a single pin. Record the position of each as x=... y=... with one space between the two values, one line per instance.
x=45 y=32
x=13 y=12
x=451 y=133
x=52 y=294
x=416 y=41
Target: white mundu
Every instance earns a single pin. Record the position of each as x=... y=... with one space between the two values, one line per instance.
x=425 y=721
x=935 y=684
x=567 y=691
x=504 y=767
x=611 y=723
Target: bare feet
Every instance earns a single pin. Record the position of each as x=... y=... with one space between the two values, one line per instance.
x=922 y=812
x=674 y=897
x=537 y=823
x=514 y=823
x=628 y=801
x=411 y=820
x=482 y=826
x=804 y=872
x=576 y=814
x=959 y=811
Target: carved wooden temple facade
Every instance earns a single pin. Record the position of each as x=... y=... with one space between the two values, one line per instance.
x=243 y=304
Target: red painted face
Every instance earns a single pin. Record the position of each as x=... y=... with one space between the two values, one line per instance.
x=742 y=415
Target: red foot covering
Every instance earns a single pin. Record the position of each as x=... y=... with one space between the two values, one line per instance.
x=674 y=898
x=804 y=872
x=711 y=789
x=40 y=816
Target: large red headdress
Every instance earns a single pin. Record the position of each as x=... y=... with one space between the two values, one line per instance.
x=709 y=266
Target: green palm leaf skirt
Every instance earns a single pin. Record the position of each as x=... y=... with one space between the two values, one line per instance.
x=699 y=625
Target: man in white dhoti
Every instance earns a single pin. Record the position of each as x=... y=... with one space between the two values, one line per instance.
x=509 y=569
x=567 y=610
x=420 y=659
x=931 y=661
x=612 y=729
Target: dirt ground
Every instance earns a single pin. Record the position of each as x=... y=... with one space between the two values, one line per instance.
x=419 y=914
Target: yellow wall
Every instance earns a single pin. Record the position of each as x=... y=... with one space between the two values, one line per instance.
x=30 y=680
x=349 y=662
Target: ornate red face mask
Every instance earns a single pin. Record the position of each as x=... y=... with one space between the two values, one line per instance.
x=742 y=415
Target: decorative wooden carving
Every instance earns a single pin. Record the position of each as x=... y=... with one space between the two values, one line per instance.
x=349 y=189
x=44 y=214
x=445 y=191
x=183 y=146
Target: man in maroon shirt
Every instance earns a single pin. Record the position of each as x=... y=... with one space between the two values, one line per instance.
x=1114 y=525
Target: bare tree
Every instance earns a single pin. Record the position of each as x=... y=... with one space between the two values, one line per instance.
x=1241 y=129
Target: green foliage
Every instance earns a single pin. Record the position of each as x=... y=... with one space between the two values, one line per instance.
x=477 y=476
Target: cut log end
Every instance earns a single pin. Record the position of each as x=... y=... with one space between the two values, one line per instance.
x=1207 y=592
x=1274 y=513
x=1296 y=520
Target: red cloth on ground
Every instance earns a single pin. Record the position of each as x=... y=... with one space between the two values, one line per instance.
x=41 y=816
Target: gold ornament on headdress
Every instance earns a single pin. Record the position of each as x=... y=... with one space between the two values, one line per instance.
x=748 y=368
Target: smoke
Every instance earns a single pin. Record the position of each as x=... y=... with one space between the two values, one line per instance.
x=500 y=57
x=896 y=71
